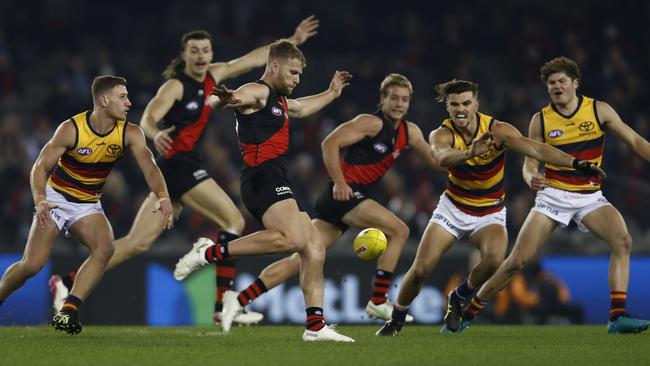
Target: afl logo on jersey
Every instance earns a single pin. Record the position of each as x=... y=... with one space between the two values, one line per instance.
x=85 y=151
x=380 y=148
x=277 y=111
x=192 y=105
x=555 y=133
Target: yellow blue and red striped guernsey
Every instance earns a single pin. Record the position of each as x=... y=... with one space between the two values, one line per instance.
x=580 y=135
x=82 y=170
x=476 y=186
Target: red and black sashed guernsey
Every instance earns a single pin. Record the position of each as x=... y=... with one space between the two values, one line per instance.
x=264 y=135
x=189 y=115
x=366 y=161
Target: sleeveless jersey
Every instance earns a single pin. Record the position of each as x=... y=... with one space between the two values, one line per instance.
x=189 y=115
x=476 y=185
x=367 y=161
x=82 y=170
x=264 y=135
x=580 y=135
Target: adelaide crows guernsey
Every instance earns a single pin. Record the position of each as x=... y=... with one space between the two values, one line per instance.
x=476 y=185
x=82 y=170
x=579 y=134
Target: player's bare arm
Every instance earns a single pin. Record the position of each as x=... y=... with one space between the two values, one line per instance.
x=168 y=93
x=613 y=123
x=248 y=98
x=348 y=133
x=508 y=136
x=63 y=139
x=257 y=57
x=420 y=146
x=441 y=141
x=144 y=158
x=305 y=106
x=530 y=171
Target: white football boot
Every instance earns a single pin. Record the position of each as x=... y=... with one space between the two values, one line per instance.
x=383 y=311
x=325 y=334
x=59 y=292
x=193 y=260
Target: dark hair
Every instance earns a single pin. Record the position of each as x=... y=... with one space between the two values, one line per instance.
x=104 y=83
x=455 y=87
x=560 y=64
x=177 y=63
x=395 y=79
x=284 y=49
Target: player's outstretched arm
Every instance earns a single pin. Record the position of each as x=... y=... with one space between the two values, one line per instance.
x=305 y=106
x=620 y=129
x=441 y=141
x=509 y=137
x=420 y=146
x=248 y=96
x=257 y=57
x=64 y=138
x=348 y=133
x=152 y=175
x=168 y=93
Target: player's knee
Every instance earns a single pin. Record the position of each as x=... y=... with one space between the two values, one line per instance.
x=492 y=261
x=398 y=234
x=104 y=250
x=419 y=273
x=293 y=242
x=31 y=268
x=622 y=244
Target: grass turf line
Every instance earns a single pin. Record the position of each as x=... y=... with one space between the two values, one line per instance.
x=282 y=345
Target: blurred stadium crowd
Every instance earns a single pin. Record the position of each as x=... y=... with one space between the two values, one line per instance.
x=48 y=59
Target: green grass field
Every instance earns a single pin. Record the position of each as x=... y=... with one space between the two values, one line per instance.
x=282 y=345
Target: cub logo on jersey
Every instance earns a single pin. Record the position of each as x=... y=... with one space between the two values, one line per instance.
x=380 y=148
x=277 y=111
x=85 y=151
x=555 y=133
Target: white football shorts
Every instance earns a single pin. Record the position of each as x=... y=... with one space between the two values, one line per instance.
x=461 y=224
x=67 y=213
x=564 y=206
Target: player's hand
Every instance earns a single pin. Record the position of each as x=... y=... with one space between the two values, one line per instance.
x=481 y=145
x=162 y=141
x=340 y=80
x=342 y=192
x=588 y=168
x=43 y=217
x=305 y=30
x=538 y=182
x=225 y=97
x=164 y=205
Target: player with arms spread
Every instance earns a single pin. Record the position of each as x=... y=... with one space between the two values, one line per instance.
x=263 y=111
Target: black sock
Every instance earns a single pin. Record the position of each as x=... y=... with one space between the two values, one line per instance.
x=315 y=318
x=71 y=305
